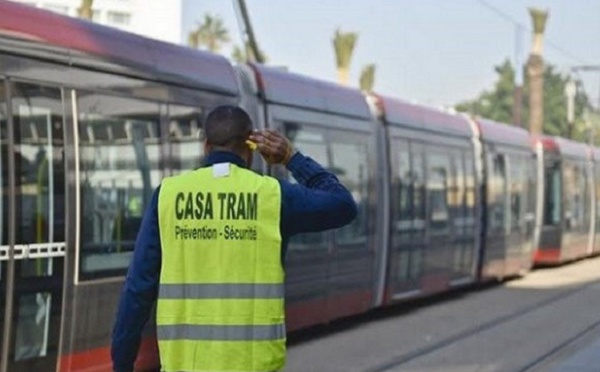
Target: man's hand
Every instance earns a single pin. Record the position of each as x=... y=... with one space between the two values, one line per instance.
x=273 y=146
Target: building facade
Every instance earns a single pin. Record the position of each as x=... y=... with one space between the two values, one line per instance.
x=169 y=21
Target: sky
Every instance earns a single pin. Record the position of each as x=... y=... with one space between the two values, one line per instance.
x=432 y=52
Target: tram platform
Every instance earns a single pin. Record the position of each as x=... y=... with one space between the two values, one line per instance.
x=547 y=321
x=585 y=360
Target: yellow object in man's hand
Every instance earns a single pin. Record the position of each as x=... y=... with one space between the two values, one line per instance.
x=252 y=145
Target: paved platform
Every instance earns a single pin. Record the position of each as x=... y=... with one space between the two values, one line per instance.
x=547 y=321
x=585 y=360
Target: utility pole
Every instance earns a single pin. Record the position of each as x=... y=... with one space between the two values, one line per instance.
x=248 y=33
x=518 y=93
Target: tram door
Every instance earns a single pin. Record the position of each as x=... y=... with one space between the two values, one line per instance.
x=3 y=207
x=33 y=226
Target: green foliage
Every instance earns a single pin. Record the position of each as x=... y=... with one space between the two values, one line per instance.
x=539 y=17
x=343 y=43
x=241 y=55
x=210 y=34
x=367 y=78
x=497 y=104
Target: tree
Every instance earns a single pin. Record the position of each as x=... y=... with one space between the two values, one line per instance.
x=85 y=10
x=211 y=34
x=343 y=44
x=242 y=55
x=367 y=78
x=496 y=104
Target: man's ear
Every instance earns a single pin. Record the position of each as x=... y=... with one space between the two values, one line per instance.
x=207 y=147
x=249 y=159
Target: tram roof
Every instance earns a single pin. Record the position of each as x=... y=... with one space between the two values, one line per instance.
x=507 y=134
x=39 y=33
x=280 y=86
x=398 y=112
x=565 y=147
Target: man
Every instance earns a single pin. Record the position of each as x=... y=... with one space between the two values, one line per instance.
x=210 y=252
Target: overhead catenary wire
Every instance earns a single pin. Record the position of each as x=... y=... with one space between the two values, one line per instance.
x=551 y=44
x=516 y=23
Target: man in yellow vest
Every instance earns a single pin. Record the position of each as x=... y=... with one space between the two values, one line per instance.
x=210 y=253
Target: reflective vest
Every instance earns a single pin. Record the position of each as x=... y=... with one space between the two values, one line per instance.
x=221 y=295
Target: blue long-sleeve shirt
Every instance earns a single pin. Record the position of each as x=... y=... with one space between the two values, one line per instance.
x=318 y=202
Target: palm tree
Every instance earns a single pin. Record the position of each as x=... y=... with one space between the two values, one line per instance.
x=85 y=10
x=211 y=33
x=535 y=70
x=242 y=55
x=344 y=43
x=367 y=78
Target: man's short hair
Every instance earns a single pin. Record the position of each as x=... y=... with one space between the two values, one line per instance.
x=227 y=126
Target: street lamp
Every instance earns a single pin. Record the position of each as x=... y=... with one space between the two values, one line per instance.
x=570 y=92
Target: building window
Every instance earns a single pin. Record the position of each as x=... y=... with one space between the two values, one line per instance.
x=56 y=8
x=118 y=18
x=96 y=15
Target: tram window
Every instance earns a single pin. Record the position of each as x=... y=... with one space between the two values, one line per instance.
x=470 y=190
x=438 y=186
x=119 y=163
x=418 y=186
x=517 y=190
x=40 y=211
x=581 y=194
x=39 y=166
x=351 y=164
x=531 y=175
x=401 y=206
x=312 y=142
x=456 y=190
x=573 y=189
x=185 y=138
x=309 y=140
x=587 y=196
x=552 y=203
x=402 y=184
x=457 y=199
x=497 y=193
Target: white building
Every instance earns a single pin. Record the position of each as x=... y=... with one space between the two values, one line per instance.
x=167 y=20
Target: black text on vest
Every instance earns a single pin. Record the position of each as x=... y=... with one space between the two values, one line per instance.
x=231 y=206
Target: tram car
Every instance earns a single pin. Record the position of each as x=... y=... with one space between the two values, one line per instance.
x=92 y=118
x=568 y=201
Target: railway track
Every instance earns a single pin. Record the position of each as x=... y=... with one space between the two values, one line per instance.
x=525 y=325
x=498 y=322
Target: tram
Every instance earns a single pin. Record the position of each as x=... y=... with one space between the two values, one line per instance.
x=92 y=118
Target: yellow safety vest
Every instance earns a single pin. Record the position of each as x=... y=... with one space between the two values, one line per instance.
x=221 y=297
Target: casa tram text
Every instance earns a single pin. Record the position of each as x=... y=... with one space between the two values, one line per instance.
x=197 y=212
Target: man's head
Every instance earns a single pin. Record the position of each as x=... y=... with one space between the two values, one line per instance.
x=226 y=129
